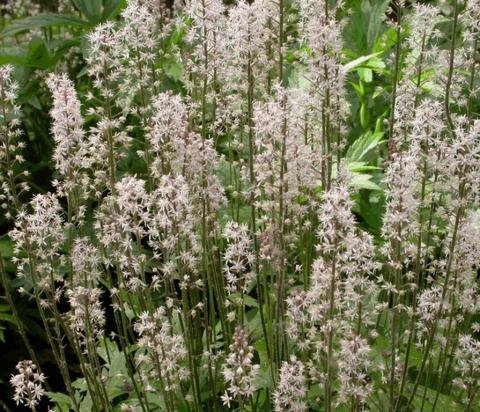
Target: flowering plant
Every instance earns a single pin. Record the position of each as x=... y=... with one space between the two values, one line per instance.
x=265 y=205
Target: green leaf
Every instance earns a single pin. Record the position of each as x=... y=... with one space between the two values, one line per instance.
x=363 y=149
x=365 y=25
x=366 y=74
x=359 y=89
x=62 y=47
x=92 y=9
x=16 y=59
x=386 y=41
x=376 y=20
x=359 y=61
x=298 y=78
x=370 y=207
x=359 y=167
x=445 y=402
x=236 y=298
x=364 y=116
x=42 y=20
x=363 y=181
x=264 y=378
x=250 y=302
x=62 y=400
x=6 y=248
x=38 y=55
x=111 y=8
x=80 y=384
x=87 y=404
x=8 y=318
x=97 y=11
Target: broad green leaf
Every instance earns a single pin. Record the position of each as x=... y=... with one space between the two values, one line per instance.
x=386 y=41
x=38 y=55
x=359 y=89
x=359 y=167
x=366 y=74
x=359 y=61
x=8 y=318
x=370 y=207
x=111 y=8
x=298 y=78
x=92 y=9
x=363 y=181
x=445 y=403
x=62 y=47
x=365 y=25
x=264 y=378
x=80 y=384
x=6 y=248
x=97 y=11
x=363 y=148
x=236 y=298
x=87 y=404
x=15 y=59
x=376 y=64
x=154 y=399
x=376 y=20
x=63 y=401
x=42 y=20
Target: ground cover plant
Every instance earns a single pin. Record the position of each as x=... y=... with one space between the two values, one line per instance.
x=269 y=205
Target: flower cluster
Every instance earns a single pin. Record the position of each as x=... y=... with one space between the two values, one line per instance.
x=165 y=350
x=239 y=370
x=238 y=258
x=291 y=390
x=10 y=143
x=28 y=384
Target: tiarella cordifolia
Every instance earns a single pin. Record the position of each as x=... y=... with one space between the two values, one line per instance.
x=284 y=167
x=421 y=57
x=400 y=223
x=207 y=21
x=245 y=62
x=471 y=18
x=167 y=134
x=120 y=223
x=203 y=215
x=40 y=234
x=86 y=317
x=19 y=8
x=178 y=151
x=326 y=76
x=291 y=389
x=85 y=260
x=10 y=143
x=467 y=358
x=335 y=299
x=72 y=153
x=106 y=137
x=165 y=352
x=171 y=229
x=354 y=366
x=238 y=258
x=138 y=51
x=28 y=384
x=239 y=371
x=465 y=264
